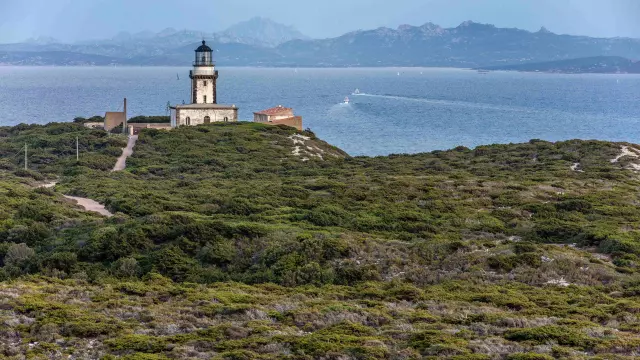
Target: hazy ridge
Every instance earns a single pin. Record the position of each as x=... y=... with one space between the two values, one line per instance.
x=261 y=42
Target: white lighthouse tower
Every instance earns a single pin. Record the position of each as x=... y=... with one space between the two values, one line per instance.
x=203 y=76
x=204 y=107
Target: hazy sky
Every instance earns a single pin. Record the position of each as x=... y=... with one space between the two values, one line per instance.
x=70 y=20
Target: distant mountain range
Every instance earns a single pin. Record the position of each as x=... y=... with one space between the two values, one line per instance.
x=596 y=65
x=260 y=32
x=262 y=42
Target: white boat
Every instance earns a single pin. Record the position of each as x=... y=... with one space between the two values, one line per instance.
x=346 y=100
x=398 y=74
x=356 y=92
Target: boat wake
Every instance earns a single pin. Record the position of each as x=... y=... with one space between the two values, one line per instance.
x=482 y=106
x=451 y=103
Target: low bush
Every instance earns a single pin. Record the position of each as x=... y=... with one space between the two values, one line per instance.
x=563 y=335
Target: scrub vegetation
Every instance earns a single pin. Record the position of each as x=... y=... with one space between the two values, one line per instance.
x=248 y=241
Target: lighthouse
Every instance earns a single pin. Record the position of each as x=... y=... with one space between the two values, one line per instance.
x=203 y=76
x=204 y=107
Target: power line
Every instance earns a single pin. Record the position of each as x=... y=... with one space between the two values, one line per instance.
x=16 y=154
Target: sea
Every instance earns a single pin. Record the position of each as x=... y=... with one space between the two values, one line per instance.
x=398 y=110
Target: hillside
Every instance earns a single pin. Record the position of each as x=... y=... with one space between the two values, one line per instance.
x=597 y=65
x=245 y=241
x=260 y=42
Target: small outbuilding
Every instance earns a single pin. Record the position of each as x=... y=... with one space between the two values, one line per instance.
x=278 y=115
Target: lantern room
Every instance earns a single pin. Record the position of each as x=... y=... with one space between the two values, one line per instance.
x=204 y=55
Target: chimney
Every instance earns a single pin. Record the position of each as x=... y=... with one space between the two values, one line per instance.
x=124 y=124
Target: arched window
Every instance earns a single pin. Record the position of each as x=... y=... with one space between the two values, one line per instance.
x=188 y=119
x=226 y=119
x=207 y=120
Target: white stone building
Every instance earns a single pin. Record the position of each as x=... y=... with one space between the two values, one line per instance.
x=204 y=107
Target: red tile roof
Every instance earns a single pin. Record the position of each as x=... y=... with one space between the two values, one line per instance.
x=278 y=110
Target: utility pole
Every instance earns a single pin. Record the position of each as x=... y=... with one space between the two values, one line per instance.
x=25 y=156
x=77 y=152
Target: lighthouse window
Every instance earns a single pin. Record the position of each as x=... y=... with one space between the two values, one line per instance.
x=205 y=83
x=205 y=99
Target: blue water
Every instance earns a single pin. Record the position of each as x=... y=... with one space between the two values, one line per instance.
x=418 y=110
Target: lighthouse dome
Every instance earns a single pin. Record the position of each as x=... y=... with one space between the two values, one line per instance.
x=204 y=55
x=204 y=47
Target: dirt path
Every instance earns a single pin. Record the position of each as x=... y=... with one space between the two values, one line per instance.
x=87 y=204
x=90 y=205
x=625 y=151
x=126 y=152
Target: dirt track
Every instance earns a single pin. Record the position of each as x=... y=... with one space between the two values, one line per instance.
x=126 y=152
x=90 y=205
x=87 y=204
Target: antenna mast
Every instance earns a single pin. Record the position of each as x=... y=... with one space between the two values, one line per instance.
x=25 y=156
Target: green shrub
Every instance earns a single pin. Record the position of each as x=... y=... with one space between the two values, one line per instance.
x=89 y=328
x=437 y=343
x=173 y=262
x=524 y=247
x=328 y=216
x=563 y=335
x=138 y=343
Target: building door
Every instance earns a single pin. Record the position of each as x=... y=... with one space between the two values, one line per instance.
x=188 y=121
x=226 y=119
x=207 y=120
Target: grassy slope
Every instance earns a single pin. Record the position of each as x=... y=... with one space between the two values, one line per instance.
x=447 y=254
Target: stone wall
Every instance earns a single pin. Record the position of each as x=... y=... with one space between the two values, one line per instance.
x=94 y=125
x=196 y=116
x=263 y=118
x=260 y=118
x=295 y=121
x=135 y=128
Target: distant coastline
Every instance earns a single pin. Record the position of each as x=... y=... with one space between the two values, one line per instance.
x=600 y=65
x=559 y=67
x=588 y=65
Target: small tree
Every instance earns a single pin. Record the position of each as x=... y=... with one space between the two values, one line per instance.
x=127 y=268
x=18 y=255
